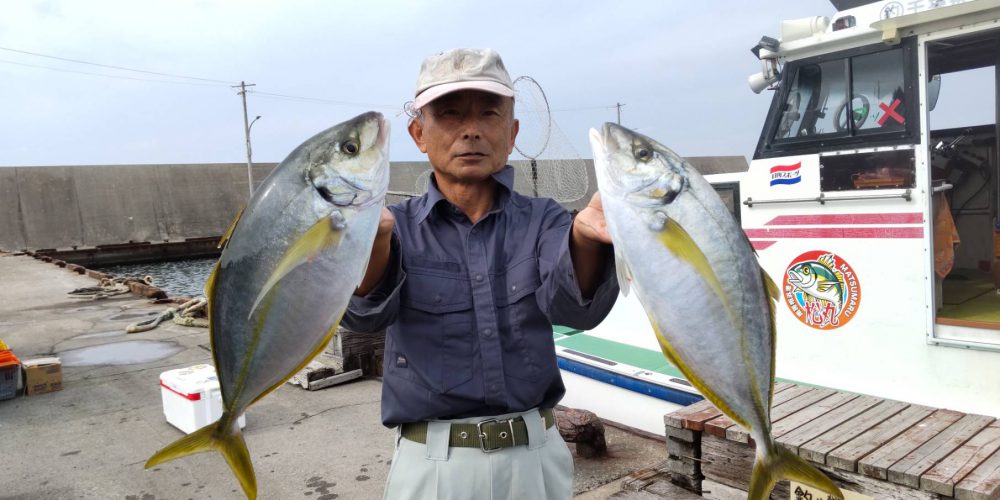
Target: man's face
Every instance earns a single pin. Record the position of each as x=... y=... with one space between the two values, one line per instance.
x=467 y=135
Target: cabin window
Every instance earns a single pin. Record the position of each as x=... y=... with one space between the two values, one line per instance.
x=805 y=112
x=873 y=170
x=861 y=97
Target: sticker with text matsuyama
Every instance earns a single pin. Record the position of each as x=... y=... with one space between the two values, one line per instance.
x=821 y=289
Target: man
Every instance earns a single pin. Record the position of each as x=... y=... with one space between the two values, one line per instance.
x=469 y=279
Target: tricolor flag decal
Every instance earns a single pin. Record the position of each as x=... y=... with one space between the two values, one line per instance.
x=786 y=174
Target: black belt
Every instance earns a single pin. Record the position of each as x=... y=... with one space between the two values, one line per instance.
x=489 y=435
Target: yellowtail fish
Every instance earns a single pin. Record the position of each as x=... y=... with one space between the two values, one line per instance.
x=709 y=302
x=290 y=263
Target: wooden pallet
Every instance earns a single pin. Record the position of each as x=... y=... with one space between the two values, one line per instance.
x=876 y=447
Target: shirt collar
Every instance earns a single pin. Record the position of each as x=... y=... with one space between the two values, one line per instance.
x=504 y=177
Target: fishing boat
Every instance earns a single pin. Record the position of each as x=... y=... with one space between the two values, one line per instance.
x=872 y=205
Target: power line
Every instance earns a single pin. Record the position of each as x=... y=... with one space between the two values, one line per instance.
x=121 y=77
x=123 y=68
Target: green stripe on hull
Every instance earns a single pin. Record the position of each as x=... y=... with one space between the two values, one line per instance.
x=646 y=359
x=638 y=357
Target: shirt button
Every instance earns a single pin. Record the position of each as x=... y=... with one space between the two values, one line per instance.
x=513 y=288
x=487 y=332
x=437 y=299
x=479 y=277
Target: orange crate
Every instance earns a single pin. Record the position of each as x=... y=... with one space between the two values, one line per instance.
x=10 y=374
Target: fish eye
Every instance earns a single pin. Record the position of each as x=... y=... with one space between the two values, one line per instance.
x=805 y=270
x=643 y=154
x=349 y=147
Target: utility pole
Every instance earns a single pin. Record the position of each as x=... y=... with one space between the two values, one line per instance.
x=619 y=106
x=246 y=130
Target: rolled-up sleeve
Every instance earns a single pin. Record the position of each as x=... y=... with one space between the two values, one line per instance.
x=377 y=310
x=559 y=295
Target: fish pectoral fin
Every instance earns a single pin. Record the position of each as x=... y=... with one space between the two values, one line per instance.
x=780 y=464
x=324 y=235
x=219 y=437
x=769 y=285
x=623 y=273
x=682 y=245
x=825 y=287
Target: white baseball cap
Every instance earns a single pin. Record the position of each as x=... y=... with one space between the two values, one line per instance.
x=460 y=69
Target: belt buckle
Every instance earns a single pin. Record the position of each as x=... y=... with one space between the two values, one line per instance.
x=482 y=435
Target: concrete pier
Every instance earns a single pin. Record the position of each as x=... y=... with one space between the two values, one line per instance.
x=91 y=439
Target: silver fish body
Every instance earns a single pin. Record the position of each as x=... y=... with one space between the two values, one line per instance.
x=291 y=262
x=709 y=302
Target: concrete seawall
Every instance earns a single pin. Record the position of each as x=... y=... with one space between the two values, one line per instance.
x=93 y=206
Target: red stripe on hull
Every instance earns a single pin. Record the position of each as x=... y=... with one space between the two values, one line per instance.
x=846 y=219
x=761 y=245
x=837 y=232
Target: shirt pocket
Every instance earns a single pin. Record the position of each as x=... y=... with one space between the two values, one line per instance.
x=524 y=328
x=436 y=334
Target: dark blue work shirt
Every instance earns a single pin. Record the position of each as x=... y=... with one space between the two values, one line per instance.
x=469 y=307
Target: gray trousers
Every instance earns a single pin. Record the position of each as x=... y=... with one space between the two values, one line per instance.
x=541 y=470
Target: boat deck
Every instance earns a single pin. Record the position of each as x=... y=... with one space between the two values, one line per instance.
x=872 y=446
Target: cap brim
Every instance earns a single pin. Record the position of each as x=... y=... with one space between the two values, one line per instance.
x=447 y=88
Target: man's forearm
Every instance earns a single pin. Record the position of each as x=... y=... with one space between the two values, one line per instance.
x=588 y=257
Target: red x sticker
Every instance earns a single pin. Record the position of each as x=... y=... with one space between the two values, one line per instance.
x=890 y=111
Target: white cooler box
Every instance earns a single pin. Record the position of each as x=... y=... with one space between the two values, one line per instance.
x=192 y=398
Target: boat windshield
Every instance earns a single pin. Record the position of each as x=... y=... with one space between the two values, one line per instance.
x=817 y=102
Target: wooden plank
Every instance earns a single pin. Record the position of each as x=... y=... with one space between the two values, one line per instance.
x=826 y=421
x=909 y=469
x=846 y=456
x=942 y=477
x=810 y=413
x=783 y=410
x=730 y=464
x=720 y=426
x=712 y=490
x=983 y=483
x=818 y=449
x=692 y=416
x=901 y=438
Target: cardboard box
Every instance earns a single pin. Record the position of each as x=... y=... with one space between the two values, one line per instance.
x=42 y=375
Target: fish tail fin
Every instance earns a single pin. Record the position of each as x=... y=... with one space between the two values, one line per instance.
x=215 y=436
x=780 y=464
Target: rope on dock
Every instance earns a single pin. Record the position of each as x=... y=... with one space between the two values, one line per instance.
x=184 y=315
x=189 y=309
x=109 y=287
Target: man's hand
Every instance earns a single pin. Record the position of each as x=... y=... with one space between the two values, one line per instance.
x=589 y=225
x=381 y=251
x=589 y=244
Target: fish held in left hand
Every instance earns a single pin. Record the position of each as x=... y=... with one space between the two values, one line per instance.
x=291 y=262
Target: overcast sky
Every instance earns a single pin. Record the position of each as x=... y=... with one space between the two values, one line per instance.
x=679 y=67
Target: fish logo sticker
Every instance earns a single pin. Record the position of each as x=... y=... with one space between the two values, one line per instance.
x=786 y=174
x=822 y=290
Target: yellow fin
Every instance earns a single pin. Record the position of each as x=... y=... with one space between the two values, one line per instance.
x=680 y=243
x=232 y=227
x=770 y=287
x=322 y=236
x=671 y=355
x=215 y=436
x=780 y=464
